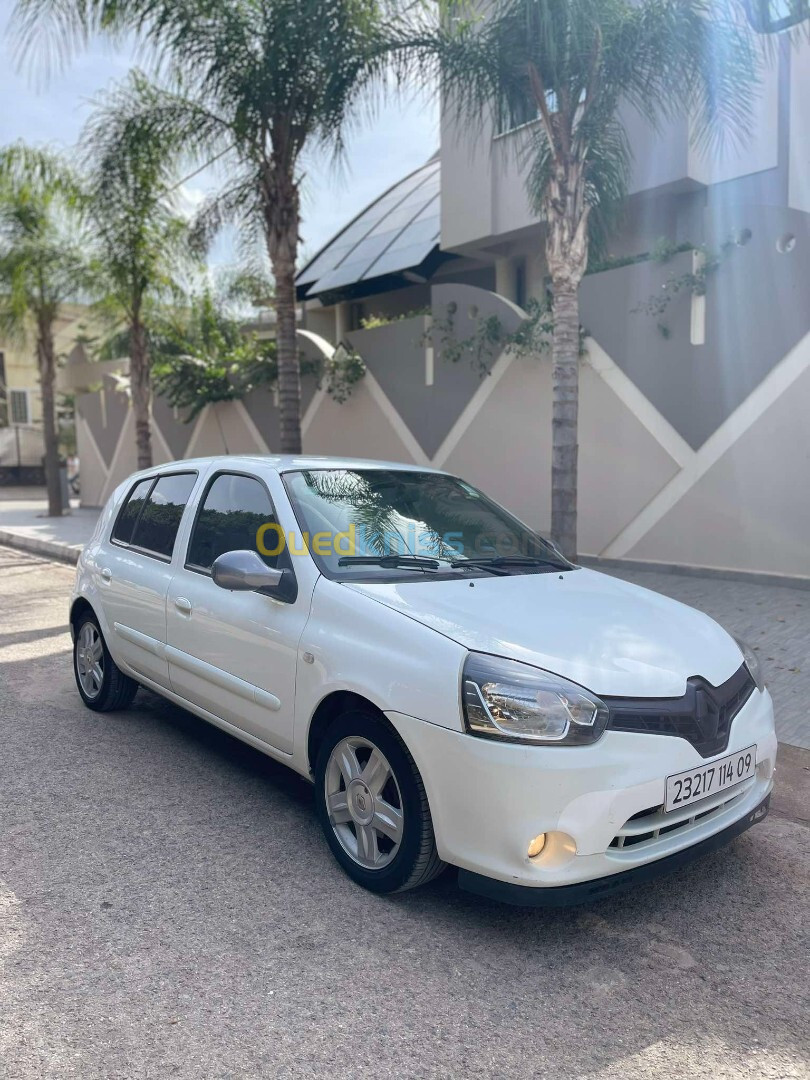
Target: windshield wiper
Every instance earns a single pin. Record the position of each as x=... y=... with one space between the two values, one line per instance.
x=479 y=564
x=498 y=562
x=390 y=562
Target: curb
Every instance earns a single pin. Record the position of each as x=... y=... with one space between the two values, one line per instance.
x=50 y=549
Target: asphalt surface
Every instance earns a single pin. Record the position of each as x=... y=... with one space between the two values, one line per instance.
x=169 y=909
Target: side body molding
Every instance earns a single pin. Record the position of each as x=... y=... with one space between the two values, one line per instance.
x=217 y=677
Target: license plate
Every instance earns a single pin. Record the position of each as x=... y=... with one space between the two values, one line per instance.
x=695 y=784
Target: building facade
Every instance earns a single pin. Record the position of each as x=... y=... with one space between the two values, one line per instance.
x=694 y=440
x=21 y=438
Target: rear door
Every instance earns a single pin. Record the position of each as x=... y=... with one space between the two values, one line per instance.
x=134 y=570
x=234 y=653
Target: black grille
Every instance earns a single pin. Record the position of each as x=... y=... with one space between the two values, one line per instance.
x=703 y=716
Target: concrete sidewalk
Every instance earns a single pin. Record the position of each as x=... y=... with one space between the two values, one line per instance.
x=773 y=618
x=24 y=524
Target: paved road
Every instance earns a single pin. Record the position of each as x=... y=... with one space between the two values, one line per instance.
x=168 y=909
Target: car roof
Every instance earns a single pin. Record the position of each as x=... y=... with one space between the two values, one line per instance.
x=287 y=463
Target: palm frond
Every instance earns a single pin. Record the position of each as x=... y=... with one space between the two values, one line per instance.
x=42 y=249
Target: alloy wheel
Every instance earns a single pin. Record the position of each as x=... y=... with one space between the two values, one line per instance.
x=90 y=660
x=364 y=802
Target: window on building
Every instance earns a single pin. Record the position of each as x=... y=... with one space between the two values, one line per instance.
x=773 y=16
x=516 y=114
x=522 y=111
x=151 y=516
x=521 y=293
x=18 y=407
x=234 y=509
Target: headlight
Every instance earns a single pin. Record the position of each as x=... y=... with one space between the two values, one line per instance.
x=752 y=663
x=504 y=699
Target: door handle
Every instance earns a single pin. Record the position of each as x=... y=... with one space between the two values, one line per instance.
x=106 y=574
x=182 y=605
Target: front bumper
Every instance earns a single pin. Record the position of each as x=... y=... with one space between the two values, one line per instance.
x=489 y=799
x=586 y=891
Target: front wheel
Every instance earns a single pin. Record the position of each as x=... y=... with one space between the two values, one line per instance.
x=372 y=806
x=102 y=684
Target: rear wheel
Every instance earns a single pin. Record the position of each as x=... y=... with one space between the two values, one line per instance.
x=102 y=684
x=372 y=805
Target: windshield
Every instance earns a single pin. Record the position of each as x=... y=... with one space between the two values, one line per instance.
x=389 y=522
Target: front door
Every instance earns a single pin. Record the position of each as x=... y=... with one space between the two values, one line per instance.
x=234 y=653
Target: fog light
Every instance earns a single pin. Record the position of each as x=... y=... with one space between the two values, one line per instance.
x=537 y=845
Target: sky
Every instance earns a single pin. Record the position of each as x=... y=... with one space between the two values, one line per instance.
x=402 y=137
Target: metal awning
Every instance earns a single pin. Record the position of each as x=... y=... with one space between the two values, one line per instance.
x=393 y=235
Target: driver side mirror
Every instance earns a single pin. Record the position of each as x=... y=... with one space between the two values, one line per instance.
x=244 y=571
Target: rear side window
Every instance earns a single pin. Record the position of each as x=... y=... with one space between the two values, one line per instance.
x=132 y=511
x=234 y=509
x=151 y=515
x=156 y=528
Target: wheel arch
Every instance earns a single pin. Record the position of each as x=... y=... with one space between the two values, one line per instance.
x=328 y=709
x=78 y=608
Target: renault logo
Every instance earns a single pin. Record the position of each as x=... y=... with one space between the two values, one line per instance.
x=707 y=714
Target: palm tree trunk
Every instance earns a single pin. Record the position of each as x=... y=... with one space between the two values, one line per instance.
x=47 y=379
x=565 y=410
x=141 y=392
x=289 y=371
x=567 y=258
x=281 y=216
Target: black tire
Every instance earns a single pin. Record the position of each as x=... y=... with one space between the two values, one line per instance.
x=117 y=689
x=417 y=861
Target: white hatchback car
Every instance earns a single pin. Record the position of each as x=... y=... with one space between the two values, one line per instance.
x=457 y=690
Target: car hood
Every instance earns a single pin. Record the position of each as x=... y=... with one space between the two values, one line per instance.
x=615 y=638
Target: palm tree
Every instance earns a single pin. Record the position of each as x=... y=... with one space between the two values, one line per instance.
x=568 y=66
x=254 y=85
x=142 y=245
x=41 y=267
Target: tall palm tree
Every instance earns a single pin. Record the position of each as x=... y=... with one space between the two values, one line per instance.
x=42 y=265
x=256 y=85
x=568 y=66
x=141 y=243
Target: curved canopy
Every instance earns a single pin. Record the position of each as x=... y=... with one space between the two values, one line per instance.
x=396 y=233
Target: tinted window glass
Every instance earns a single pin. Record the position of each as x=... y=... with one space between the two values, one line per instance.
x=158 y=524
x=234 y=510
x=132 y=507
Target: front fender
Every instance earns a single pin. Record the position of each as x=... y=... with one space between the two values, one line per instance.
x=353 y=643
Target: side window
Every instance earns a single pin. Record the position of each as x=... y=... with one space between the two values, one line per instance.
x=156 y=528
x=234 y=509
x=131 y=511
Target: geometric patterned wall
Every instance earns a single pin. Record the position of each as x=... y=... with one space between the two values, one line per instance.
x=650 y=488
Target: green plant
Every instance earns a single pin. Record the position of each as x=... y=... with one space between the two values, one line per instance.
x=692 y=281
x=489 y=337
x=203 y=356
x=371 y=322
x=662 y=251
x=665 y=249
x=342 y=372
